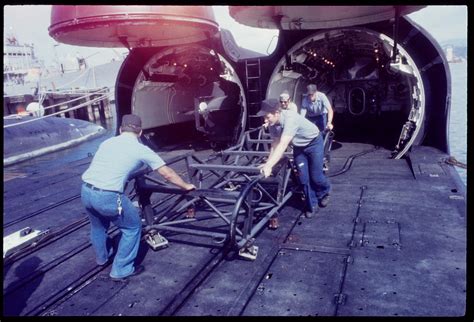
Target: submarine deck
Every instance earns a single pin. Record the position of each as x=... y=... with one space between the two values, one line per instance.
x=391 y=242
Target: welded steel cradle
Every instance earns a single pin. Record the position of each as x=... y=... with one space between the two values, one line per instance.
x=232 y=202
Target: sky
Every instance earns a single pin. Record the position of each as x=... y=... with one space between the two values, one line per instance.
x=29 y=23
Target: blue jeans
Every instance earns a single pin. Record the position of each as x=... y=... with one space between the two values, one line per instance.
x=320 y=121
x=102 y=209
x=309 y=160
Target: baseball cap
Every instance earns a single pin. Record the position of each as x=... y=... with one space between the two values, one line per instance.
x=312 y=88
x=131 y=120
x=268 y=106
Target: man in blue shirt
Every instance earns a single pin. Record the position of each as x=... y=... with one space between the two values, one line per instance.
x=287 y=127
x=102 y=194
x=317 y=108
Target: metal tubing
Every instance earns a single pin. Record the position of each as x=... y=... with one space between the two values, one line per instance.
x=249 y=220
x=252 y=153
x=218 y=167
x=169 y=208
x=188 y=220
x=217 y=211
x=190 y=231
x=260 y=140
x=263 y=221
x=232 y=171
x=238 y=204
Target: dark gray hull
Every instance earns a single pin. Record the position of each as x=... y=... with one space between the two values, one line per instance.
x=42 y=136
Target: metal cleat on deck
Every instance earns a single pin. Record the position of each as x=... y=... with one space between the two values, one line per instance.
x=21 y=239
x=156 y=241
x=249 y=252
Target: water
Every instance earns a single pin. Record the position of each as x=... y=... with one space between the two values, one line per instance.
x=458 y=116
x=457 y=132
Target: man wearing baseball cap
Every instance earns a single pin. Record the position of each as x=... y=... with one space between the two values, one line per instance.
x=316 y=107
x=102 y=195
x=287 y=127
x=286 y=103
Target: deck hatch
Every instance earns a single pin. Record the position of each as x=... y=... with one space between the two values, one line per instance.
x=431 y=169
x=381 y=235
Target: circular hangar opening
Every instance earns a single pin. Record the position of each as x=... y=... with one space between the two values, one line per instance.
x=184 y=94
x=376 y=99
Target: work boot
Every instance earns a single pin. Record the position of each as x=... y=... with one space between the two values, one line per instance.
x=138 y=270
x=323 y=202
x=310 y=214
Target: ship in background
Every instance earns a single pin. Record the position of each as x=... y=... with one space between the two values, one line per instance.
x=451 y=57
x=20 y=64
x=25 y=73
x=43 y=107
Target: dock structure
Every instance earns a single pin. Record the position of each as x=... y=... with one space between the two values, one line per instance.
x=85 y=104
x=391 y=242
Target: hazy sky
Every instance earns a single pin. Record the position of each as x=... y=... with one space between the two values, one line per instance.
x=30 y=24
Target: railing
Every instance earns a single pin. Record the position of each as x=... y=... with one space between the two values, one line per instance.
x=104 y=95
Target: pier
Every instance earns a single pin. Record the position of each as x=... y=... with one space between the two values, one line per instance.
x=89 y=105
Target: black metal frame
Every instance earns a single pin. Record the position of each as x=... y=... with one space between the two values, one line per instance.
x=240 y=196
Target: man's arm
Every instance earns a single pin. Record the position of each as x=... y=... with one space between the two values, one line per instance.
x=276 y=154
x=330 y=117
x=171 y=176
x=275 y=143
x=304 y=107
x=303 y=111
x=328 y=106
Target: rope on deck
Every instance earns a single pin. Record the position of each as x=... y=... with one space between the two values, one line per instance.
x=452 y=161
